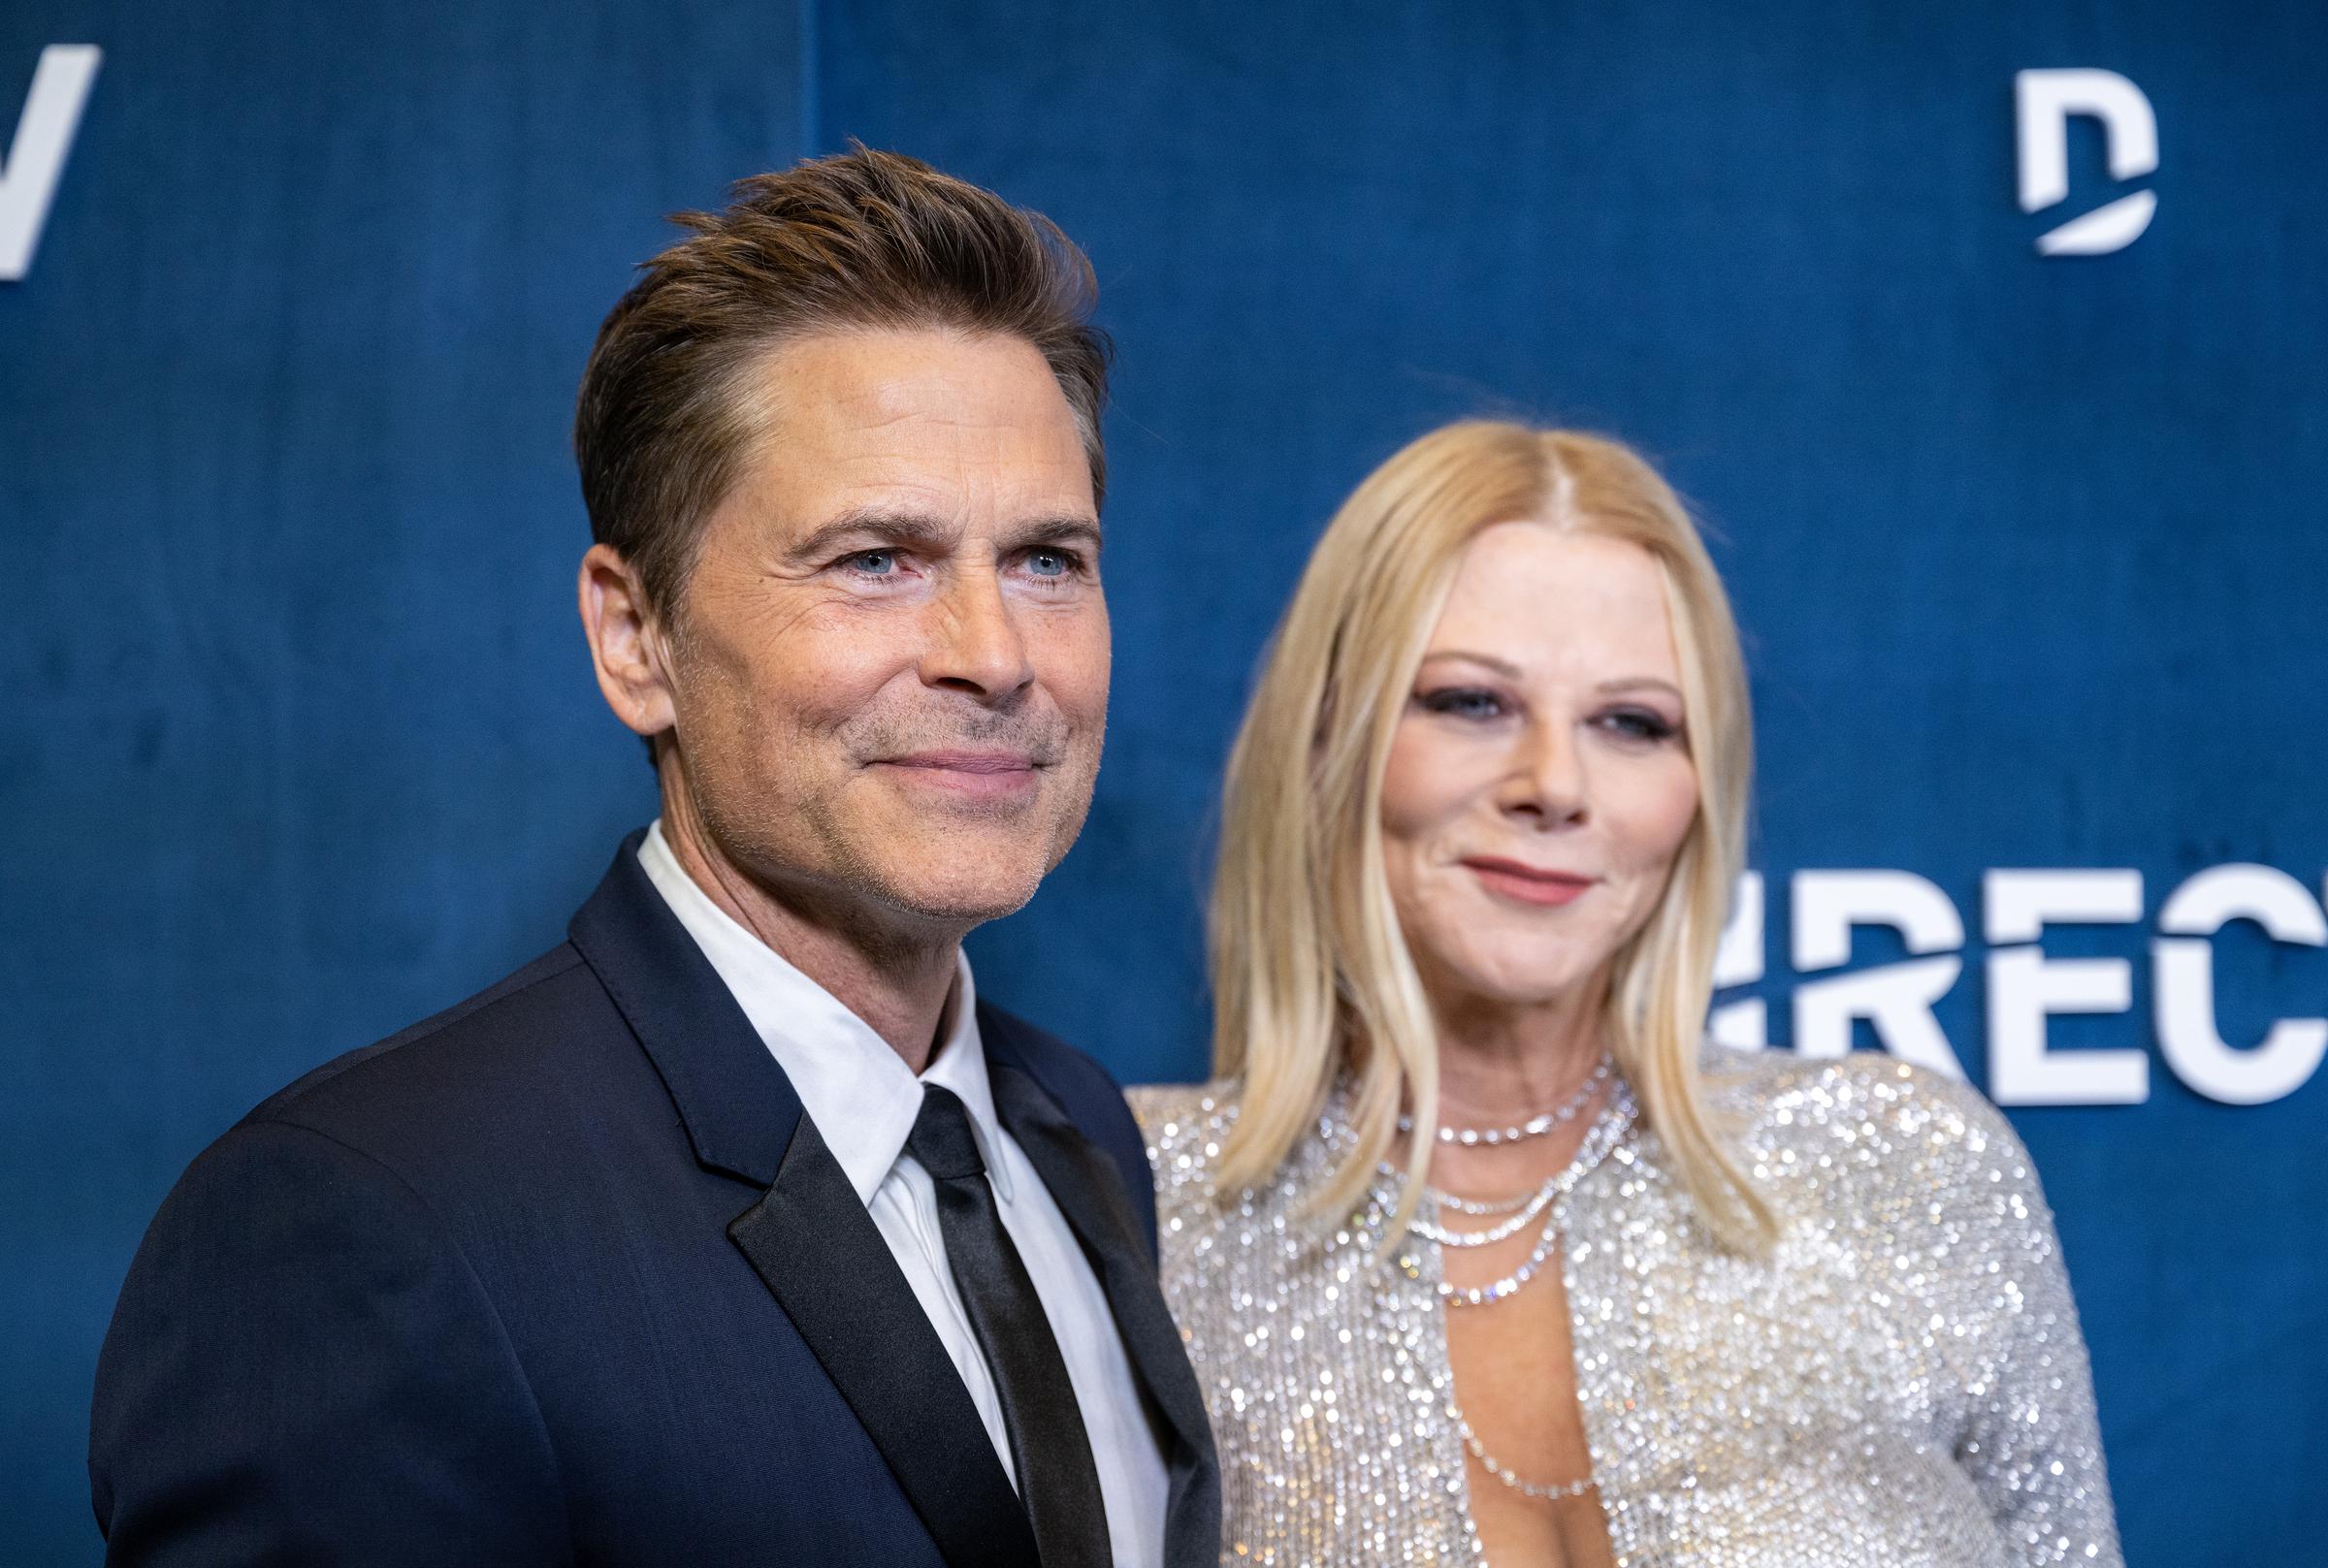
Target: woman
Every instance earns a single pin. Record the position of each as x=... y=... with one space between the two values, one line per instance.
x=1479 y=1252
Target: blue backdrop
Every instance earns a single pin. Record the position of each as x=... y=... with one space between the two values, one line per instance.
x=302 y=740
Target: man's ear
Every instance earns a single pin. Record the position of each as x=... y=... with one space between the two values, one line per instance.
x=627 y=642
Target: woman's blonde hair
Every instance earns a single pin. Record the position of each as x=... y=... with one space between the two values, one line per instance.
x=1310 y=974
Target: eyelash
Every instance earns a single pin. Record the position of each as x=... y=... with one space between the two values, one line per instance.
x=1645 y=726
x=1073 y=564
x=854 y=561
x=1462 y=702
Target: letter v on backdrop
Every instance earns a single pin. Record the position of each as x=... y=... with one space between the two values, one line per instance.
x=36 y=159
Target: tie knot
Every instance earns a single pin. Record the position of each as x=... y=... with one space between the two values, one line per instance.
x=942 y=1139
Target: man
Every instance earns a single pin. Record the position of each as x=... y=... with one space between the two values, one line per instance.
x=736 y=1231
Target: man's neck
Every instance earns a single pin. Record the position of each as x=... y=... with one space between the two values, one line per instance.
x=896 y=981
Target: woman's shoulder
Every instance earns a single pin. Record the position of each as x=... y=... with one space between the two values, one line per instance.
x=1777 y=1079
x=1184 y=1127
x=1178 y=1119
x=1766 y=1083
x=1866 y=1125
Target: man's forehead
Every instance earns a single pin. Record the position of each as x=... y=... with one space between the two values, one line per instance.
x=919 y=417
x=868 y=381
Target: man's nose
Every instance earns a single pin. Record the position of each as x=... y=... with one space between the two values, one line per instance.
x=975 y=645
x=1546 y=784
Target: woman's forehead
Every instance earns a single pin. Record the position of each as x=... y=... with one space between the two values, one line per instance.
x=1534 y=585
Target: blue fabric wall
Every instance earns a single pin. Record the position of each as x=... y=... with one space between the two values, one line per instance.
x=2028 y=550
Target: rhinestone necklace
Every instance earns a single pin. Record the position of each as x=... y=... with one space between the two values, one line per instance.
x=1479 y=1208
x=1503 y=1472
x=1531 y=1205
x=1457 y=1296
x=1602 y=1137
x=1536 y=1126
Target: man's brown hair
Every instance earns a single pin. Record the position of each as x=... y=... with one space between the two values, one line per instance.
x=859 y=241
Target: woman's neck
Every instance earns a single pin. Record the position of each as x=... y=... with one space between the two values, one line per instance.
x=1502 y=1063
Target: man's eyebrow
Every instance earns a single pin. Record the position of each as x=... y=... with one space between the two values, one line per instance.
x=886 y=528
x=1076 y=530
x=909 y=530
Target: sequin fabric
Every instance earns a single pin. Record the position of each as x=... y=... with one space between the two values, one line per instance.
x=1901 y=1382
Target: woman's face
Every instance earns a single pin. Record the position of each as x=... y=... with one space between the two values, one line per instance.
x=1539 y=782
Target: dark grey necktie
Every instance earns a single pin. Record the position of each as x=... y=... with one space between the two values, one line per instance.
x=1058 y=1480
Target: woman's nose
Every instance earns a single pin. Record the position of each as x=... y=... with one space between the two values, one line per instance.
x=1546 y=784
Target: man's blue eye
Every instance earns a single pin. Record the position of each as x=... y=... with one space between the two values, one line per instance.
x=1047 y=563
x=875 y=562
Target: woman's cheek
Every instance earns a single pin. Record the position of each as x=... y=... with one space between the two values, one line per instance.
x=1406 y=787
x=1663 y=810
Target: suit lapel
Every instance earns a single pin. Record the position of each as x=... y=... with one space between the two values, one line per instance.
x=808 y=1238
x=735 y=1103
x=825 y=1261
x=1084 y=1182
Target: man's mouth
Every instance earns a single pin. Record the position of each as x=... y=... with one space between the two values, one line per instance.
x=980 y=773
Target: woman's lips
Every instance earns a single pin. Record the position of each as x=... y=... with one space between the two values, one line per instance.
x=1529 y=884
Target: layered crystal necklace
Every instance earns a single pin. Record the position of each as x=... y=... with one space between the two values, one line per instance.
x=1517 y=1213
x=1512 y=1215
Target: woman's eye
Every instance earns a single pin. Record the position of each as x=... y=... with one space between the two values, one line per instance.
x=1643 y=725
x=1464 y=702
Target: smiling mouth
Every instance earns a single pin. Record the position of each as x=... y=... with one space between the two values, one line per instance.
x=983 y=775
x=1529 y=884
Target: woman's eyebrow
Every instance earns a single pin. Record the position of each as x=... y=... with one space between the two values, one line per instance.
x=1639 y=683
x=1502 y=666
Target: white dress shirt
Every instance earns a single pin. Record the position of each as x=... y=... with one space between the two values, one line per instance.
x=864 y=1100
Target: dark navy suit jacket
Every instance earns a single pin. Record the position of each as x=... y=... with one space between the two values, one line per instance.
x=565 y=1276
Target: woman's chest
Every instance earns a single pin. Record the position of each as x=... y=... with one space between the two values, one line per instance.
x=1799 y=1410
x=1327 y=1384
x=1693 y=1362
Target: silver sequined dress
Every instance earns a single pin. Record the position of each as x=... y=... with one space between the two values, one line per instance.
x=1902 y=1383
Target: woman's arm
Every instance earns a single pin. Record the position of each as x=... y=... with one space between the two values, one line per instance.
x=2032 y=1444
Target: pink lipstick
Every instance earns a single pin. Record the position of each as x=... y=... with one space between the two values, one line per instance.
x=1528 y=885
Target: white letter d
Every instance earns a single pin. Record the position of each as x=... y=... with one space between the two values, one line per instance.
x=2044 y=101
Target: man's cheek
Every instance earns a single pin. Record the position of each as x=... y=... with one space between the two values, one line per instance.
x=1071 y=650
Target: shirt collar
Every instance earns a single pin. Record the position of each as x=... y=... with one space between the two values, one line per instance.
x=856 y=1088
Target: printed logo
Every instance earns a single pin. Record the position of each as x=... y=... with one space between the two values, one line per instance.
x=36 y=159
x=2026 y=986
x=2044 y=101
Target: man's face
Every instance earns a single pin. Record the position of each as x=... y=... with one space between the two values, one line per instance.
x=890 y=662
